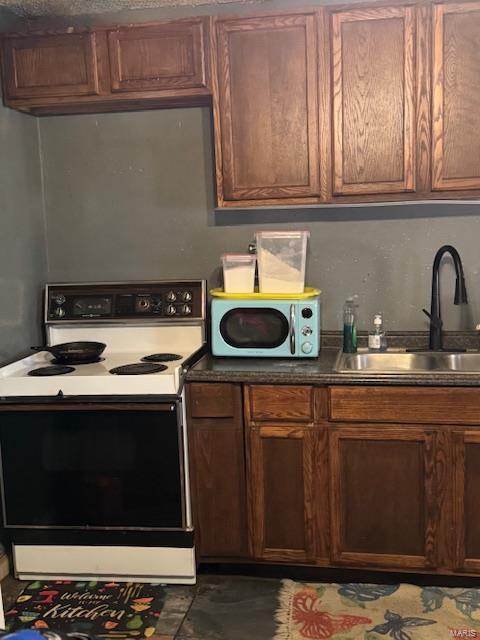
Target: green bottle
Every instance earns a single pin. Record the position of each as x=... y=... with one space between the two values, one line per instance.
x=350 y=325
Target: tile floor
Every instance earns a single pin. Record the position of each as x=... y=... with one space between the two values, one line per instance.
x=239 y=607
x=216 y=608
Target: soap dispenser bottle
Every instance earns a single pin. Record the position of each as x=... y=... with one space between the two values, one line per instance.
x=350 y=325
x=377 y=340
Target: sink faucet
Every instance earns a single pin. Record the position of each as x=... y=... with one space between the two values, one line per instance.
x=435 y=315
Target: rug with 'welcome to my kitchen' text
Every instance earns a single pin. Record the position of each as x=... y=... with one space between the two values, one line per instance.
x=109 y=610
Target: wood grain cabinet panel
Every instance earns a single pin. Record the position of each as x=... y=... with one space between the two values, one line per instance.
x=382 y=497
x=410 y=405
x=217 y=470
x=157 y=57
x=373 y=78
x=467 y=500
x=456 y=96
x=50 y=66
x=280 y=402
x=281 y=483
x=266 y=110
x=212 y=400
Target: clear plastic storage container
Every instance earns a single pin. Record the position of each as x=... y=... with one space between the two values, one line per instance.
x=238 y=272
x=281 y=259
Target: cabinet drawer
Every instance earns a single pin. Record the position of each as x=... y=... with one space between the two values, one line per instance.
x=288 y=403
x=211 y=400
x=437 y=405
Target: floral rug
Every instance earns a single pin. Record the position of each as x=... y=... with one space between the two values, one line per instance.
x=376 y=612
x=107 y=610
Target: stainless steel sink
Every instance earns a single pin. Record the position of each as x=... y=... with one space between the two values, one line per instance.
x=464 y=362
x=402 y=362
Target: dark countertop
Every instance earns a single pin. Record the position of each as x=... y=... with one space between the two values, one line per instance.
x=317 y=371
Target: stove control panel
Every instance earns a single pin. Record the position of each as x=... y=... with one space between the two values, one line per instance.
x=168 y=300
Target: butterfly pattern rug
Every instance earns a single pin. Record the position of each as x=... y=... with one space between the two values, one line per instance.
x=376 y=612
x=106 y=610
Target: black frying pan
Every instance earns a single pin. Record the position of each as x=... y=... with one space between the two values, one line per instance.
x=74 y=352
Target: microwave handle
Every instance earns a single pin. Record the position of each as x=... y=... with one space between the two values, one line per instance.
x=292 y=329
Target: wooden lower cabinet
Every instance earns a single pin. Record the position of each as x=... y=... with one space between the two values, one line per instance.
x=281 y=492
x=217 y=469
x=382 y=496
x=339 y=476
x=467 y=500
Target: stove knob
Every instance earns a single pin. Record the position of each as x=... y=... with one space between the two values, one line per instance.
x=186 y=296
x=171 y=310
x=60 y=299
x=307 y=331
x=144 y=303
x=171 y=296
x=59 y=312
x=186 y=309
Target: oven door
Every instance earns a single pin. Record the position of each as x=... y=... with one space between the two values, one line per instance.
x=93 y=467
x=250 y=329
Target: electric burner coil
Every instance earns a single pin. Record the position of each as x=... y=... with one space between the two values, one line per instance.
x=137 y=369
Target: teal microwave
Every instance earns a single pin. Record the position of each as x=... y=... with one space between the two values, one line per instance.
x=268 y=328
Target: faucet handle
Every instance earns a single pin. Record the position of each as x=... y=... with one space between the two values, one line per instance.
x=435 y=320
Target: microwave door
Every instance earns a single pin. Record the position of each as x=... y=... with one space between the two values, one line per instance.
x=257 y=328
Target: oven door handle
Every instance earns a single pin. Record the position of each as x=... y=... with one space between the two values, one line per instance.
x=292 y=329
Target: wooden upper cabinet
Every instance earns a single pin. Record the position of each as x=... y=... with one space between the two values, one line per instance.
x=50 y=66
x=158 y=57
x=266 y=108
x=456 y=97
x=108 y=68
x=373 y=83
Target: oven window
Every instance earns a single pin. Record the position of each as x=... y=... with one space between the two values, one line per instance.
x=246 y=328
x=93 y=468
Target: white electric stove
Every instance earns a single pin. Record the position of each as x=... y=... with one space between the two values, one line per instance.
x=94 y=456
x=126 y=345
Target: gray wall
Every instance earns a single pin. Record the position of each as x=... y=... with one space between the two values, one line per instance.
x=132 y=196
x=23 y=268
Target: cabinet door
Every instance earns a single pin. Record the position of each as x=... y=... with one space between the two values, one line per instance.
x=266 y=108
x=217 y=466
x=373 y=80
x=456 y=96
x=281 y=492
x=382 y=497
x=50 y=65
x=467 y=500
x=163 y=56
